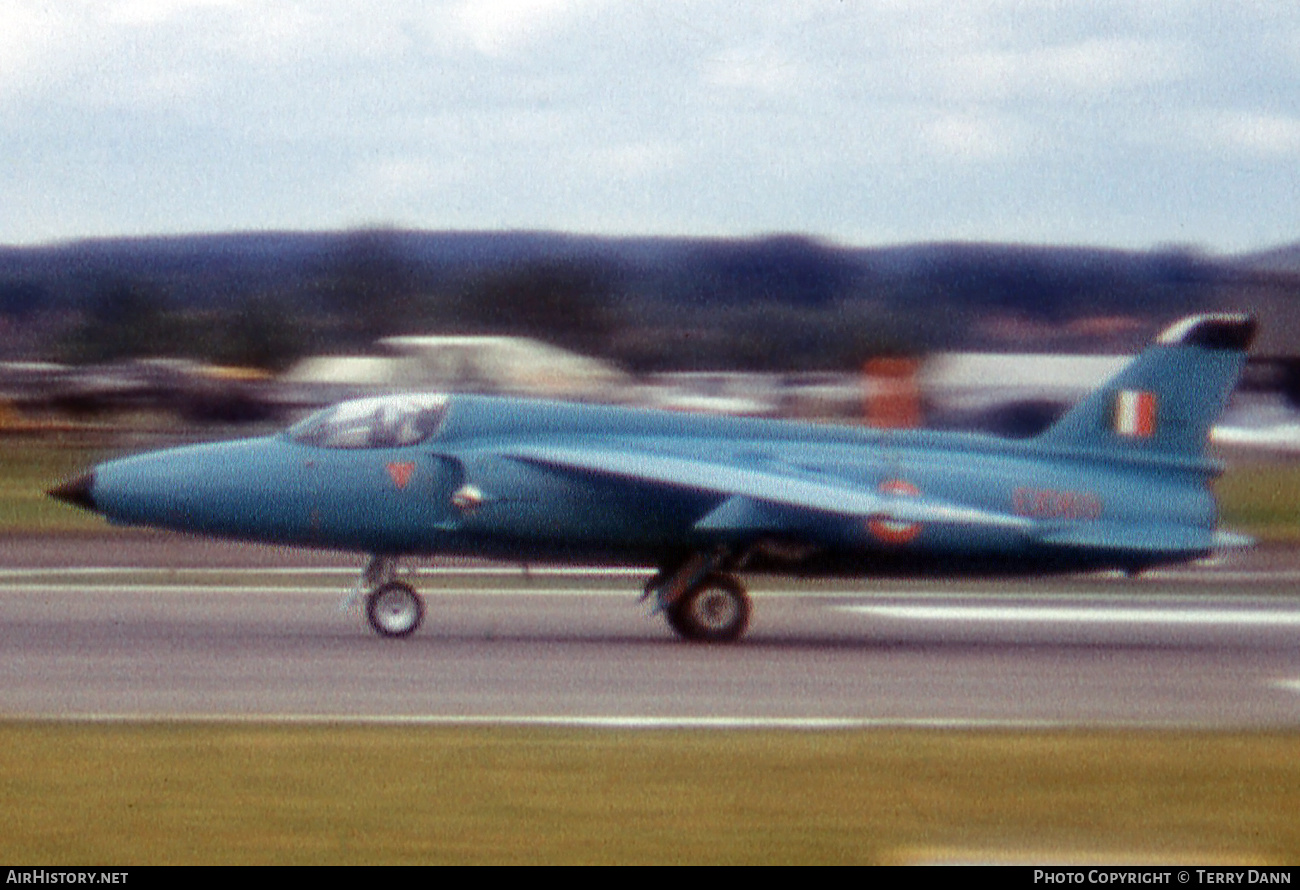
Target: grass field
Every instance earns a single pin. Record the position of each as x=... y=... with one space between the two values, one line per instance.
x=134 y=794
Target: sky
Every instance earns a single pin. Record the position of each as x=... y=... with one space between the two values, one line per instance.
x=1122 y=123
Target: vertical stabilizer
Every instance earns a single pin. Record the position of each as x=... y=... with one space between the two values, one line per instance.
x=1165 y=401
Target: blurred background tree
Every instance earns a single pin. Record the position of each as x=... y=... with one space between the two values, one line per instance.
x=122 y=319
x=567 y=303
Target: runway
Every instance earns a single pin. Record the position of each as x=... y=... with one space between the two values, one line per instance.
x=160 y=627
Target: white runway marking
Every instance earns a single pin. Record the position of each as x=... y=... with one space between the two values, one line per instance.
x=1226 y=576
x=1084 y=615
x=508 y=571
x=186 y=589
x=621 y=572
x=577 y=721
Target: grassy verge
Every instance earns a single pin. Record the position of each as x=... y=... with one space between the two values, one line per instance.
x=1262 y=499
x=29 y=465
x=222 y=793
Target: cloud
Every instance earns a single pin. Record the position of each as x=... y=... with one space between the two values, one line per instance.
x=1093 y=69
x=1246 y=133
x=147 y=12
x=503 y=27
x=759 y=71
x=971 y=138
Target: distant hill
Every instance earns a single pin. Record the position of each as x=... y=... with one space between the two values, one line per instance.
x=774 y=302
x=1278 y=259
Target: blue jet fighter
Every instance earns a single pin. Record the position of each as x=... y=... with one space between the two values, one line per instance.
x=1121 y=481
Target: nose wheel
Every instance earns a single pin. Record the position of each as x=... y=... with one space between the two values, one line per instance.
x=394 y=609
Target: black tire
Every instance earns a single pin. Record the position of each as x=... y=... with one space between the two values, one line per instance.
x=394 y=609
x=714 y=611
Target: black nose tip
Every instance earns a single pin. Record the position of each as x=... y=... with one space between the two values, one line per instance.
x=76 y=492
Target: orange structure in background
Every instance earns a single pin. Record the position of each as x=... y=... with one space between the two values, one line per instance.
x=892 y=398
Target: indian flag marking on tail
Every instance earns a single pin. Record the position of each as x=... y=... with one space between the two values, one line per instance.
x=1135 y=413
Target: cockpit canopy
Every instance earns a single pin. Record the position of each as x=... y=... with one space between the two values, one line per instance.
x=382 y=422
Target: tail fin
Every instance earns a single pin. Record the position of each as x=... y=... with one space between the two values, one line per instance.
x=1165 y=401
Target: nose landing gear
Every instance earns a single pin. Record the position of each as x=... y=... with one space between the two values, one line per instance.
x=393 y=608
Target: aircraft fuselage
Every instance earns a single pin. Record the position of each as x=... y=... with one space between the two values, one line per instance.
x=403 y=500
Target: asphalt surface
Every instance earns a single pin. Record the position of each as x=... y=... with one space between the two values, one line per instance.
x=160 y=626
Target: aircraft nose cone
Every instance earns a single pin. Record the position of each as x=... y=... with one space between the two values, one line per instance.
x=77 y=492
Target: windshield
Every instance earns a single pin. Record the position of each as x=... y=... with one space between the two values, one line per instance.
x=384 y=422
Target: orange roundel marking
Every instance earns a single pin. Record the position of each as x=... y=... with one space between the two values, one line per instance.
x=894 y=531
x=400 y=473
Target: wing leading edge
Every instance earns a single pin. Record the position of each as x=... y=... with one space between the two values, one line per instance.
x=750 y=491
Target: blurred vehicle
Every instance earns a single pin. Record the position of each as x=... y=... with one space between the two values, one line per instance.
x=501 y=365
x=194 y=391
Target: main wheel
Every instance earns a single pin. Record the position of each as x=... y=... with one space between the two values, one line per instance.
x=394 y=609
x=715 y=611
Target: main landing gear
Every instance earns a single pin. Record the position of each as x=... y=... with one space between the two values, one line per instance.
x=393 y=608
x=701 y=603
x=714 y=611
x=700 y=600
